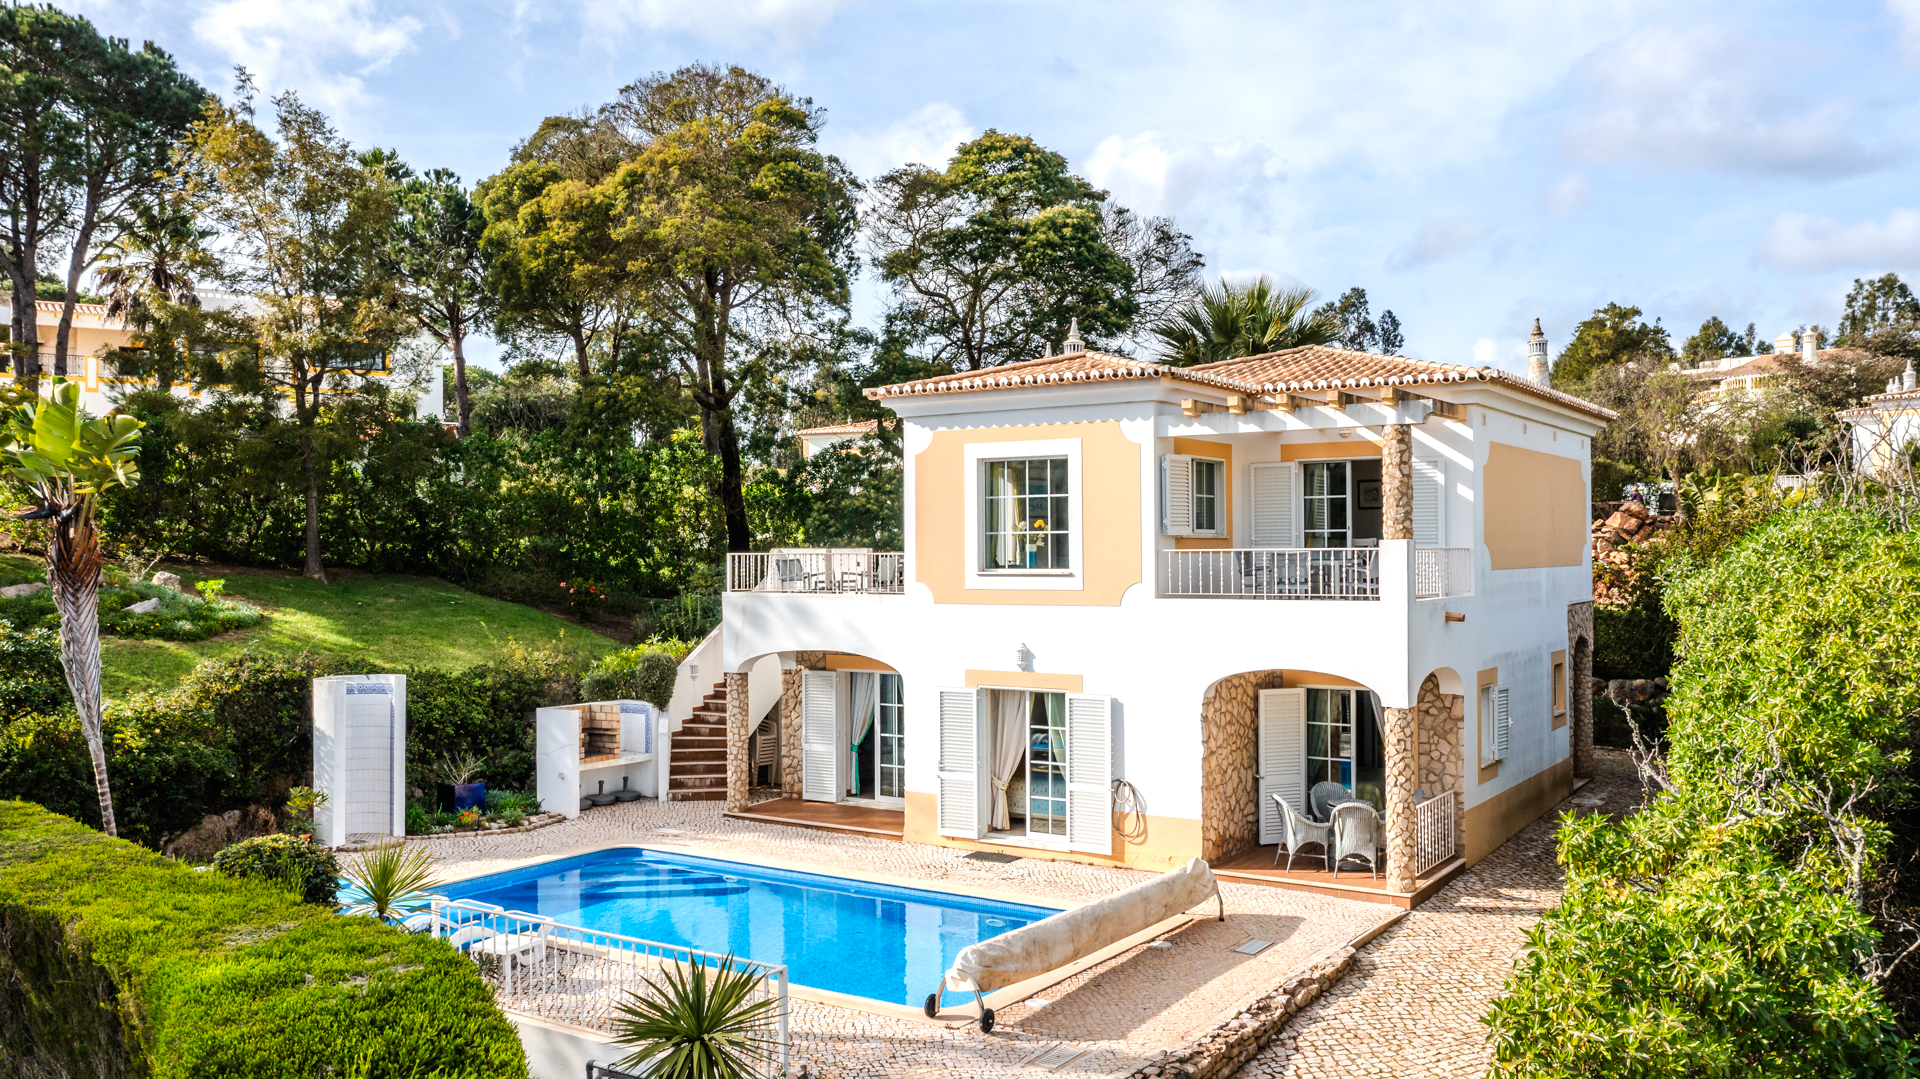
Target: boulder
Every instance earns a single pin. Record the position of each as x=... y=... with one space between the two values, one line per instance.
x=173 y=581
x=15 y=591
x=145 y=606
x=1625 y=523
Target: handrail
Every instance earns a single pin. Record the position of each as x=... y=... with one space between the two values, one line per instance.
x=570 y=974
x=1342 y=573
x=1442 y=572
x=818 y=570
x=1433 y=832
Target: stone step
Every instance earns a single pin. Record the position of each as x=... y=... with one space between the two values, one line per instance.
x=698 y=771
x=697 y=796
x=687 y=783
x=697 y=756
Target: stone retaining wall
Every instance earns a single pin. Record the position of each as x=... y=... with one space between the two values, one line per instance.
x=1224 y=1048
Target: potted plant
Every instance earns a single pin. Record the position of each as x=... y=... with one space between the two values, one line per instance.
x=457 y=788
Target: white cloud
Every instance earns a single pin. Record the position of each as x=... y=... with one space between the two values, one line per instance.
x=723 y=21
x=321 y=48
x=1194 y=181
x=1907 y=14
x=927 y=136
x=1808 y=244
x=1486 y=352
x=1702 y=99
x=1439 y=240
x=1566 y=196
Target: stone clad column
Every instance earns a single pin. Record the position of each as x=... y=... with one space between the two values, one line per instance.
x=1396 y=483
x=737 y=762
x=1580 y=684
x=790 y=731
x=1399 y=724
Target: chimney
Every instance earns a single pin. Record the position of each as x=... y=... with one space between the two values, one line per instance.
x=1046 y=349
x=1785 y=342
x=1073 y=343
x=1809 y=348
x=1539 y=371
x=1907 y=377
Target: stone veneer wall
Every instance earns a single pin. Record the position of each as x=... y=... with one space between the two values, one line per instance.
x=1441 y=720
x=1396 y=483
x=1401 y=754
x=737 y=731
x=1229 y=794
x=1580 y=683
x=790 y=774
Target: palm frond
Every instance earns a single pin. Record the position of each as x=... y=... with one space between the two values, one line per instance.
x=394 y=880
x=699 y=1024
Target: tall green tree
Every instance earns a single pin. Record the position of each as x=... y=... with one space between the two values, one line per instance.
x=1227 y=321
x=439 y=273
x=992 y=257
x=733 y=214
x=129 y=106
x=148 y=270
x=39 y=144
x=1358 y=330
x=1877 y=306
x=64 y=459
x=1611 y=335
x=1713 y=341
x=302 y=218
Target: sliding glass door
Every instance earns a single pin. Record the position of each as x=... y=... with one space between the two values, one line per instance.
x=892 y=726
x=1344 y=743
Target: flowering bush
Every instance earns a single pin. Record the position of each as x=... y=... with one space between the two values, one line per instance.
x=583 y=598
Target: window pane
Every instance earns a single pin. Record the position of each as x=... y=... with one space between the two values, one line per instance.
x=1336 y=478
x=1059 y=480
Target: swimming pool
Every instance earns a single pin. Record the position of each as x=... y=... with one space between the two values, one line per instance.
x=865 y=940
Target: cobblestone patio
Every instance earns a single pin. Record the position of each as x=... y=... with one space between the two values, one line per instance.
x=1411 y=1004
x=1119 y=1012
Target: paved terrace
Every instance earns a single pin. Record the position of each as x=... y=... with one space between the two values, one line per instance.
x=1120 y=1011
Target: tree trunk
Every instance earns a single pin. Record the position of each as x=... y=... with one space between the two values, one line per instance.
x=465 y=410
x=75 y=263
x=580 y=357
x=315 y=569
x=733 y=499
x=73 y=570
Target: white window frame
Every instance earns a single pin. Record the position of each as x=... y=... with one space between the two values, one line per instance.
x=1495 y=709
x=1071 y=579
x=1172 y=524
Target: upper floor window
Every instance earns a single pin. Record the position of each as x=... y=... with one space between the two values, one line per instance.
x=1324 y=500
x=1193 y=493
x=1025 y=514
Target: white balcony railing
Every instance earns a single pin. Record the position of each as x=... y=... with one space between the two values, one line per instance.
x=567 y=974
x=1274 y=573
x=1441 y=572
x=818 y=569
x=1432 y=832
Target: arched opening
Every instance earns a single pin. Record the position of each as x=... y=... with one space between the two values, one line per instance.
x=840 y=732
x=1580 y=700
x=1440 y=745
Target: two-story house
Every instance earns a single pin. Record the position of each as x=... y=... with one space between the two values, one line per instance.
x=1138 y=600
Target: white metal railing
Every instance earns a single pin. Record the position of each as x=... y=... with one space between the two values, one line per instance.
x=818 y=569
x=567 y=974
x=1432 y=832
x=1276 y=573
x=1440 y=572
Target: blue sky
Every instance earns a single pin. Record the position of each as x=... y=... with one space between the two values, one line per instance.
x=1473 y=166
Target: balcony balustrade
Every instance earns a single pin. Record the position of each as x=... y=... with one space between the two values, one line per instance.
x=1342 y=573
x=818 y=570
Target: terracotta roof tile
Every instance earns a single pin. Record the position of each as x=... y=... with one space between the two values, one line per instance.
x=1315 y=367
x=859 y=427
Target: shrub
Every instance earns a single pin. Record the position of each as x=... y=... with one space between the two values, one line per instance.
x=31 y=676
x=119 y=962
x=640 y=673
x=286 y=859
x=180 y=617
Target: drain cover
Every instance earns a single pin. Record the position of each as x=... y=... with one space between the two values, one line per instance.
x=992 y=856
x=1056 y=1057
x=1254 y=947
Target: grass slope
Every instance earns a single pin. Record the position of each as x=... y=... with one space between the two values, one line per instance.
x=392 y=619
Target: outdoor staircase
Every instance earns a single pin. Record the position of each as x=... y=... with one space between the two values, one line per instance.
x=697 y=770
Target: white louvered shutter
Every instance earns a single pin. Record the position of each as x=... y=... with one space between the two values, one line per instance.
x=1282 y=758
x=819 y=737
x=1429 y=493
x=1273 y=516
x=1502 y=722
x=1176 y=494
x=1089 y=773
x=962 y=808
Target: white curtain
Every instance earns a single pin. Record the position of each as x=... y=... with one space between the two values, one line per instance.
x=1007 y=743
x=864 y=689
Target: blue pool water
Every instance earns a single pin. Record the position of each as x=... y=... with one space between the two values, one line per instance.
x=865 y=940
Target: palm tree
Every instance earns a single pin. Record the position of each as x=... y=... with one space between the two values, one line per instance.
x=64 y=459
x=395 y=880
x=696 y=1025
x=153 y=258
x=1228 y=321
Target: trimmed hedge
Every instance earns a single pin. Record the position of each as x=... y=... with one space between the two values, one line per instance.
x=278 y=858
x=119 y=962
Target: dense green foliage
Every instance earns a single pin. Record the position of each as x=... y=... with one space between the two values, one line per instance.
x=120 y=962
x=1748 y=921
x=641 y=673
x=1613 y=335
x=285 y=860
x=1227 y=321
x=31 y=678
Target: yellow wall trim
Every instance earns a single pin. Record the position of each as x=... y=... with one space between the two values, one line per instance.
x=1163 y=843
x=1110 y=516
x=1200 y=447
x=1488 y=677
x=1065 y=683
x=1536 y=509
x=1363 y=445
x=842 y=661
x=1499 y=818
x=1557 y=694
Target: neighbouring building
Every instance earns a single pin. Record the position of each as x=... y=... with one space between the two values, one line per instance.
x=815 y=439
x=1885 y=429
x=1136 y=601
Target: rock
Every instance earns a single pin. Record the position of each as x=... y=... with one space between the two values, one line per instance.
x=145 y=606
x=15 y=591
x=173 y=581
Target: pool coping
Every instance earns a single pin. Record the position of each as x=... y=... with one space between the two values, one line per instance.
x=949 y=1018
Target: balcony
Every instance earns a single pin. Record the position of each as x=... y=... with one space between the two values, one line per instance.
x=1442 y=572
x=818 y=570
x=1343 y=573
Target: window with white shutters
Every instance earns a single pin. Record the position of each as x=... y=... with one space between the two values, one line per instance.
x=1429 y=497
x=1193 y=495
x=1273 y=514
x=1089 y=773
x=961 y=776
x=1281 y=757
x=1496 y=723
x=819 y=736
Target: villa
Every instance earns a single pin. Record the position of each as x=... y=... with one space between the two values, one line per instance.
x=1138 y=601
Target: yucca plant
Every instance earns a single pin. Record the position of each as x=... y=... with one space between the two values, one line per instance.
x=697 y=1023
x=63 y=459
x=395 y=880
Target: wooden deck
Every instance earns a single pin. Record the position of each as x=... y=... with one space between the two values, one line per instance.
x=851 y=818
x=1256 y=867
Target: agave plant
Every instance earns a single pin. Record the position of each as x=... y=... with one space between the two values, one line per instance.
x=699 y=1024
x=395 y=880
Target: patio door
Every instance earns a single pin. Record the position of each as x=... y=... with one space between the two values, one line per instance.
x=820 y=753
x=1089 y=773
x=962 y=776
x=1281 y=758
x=1273 y=516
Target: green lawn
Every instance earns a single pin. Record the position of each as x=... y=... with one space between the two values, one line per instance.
x=391 y=619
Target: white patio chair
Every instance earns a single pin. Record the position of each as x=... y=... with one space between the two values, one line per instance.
x=478 y=940
x=1356 y=834
x=1300 y=832
x=1323 y=797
